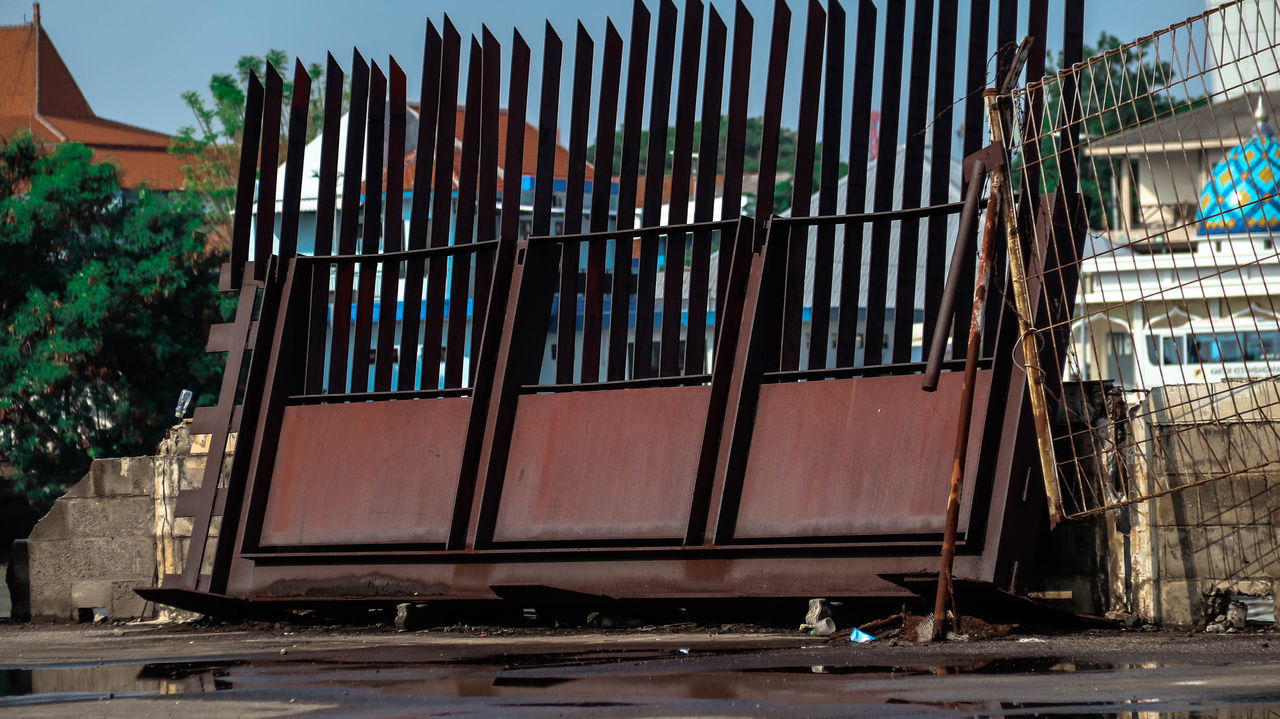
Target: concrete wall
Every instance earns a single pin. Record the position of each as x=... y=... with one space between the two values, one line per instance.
x=96 y=544
x=115 y=530
x=1204 y=538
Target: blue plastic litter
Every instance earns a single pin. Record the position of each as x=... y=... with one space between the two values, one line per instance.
x=860 y=636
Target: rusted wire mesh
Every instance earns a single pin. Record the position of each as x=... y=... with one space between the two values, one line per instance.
x=1165 y=374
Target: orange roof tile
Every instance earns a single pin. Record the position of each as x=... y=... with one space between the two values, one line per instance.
x=38 y=93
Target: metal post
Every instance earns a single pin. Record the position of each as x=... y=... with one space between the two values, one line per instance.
x=966 y=402
x=996 y=111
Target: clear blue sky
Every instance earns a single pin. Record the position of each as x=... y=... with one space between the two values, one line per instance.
x=134 y=58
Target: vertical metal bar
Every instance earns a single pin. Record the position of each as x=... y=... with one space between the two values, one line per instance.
x=264 y=243
x=347 y=223
x=1037 y=27
x=393 y=231
x=628 y=175
x=974 y=139
x=548 y=114
x=824 y=249
x=944 y=83
x=575 y=187
x=735 y=143
x=655 y=169
x=886 y=159
x=802 y=188
x=513 y=163
x=1006 y=37
x=326 y=202
x=912 y=181
x=1006 y=51
x=775 y=78
x=601 y=194
x=548 y=134
x=704 y=201
x=411 y=315
x=464 y=222
x=487 y=209
x=441 y=201
x=372 y=229
x=1072 y=49
x=327 y=194
x=243 y=218
x=293 y=163
x=681 y=172
x=856 y=187
x=772 y=121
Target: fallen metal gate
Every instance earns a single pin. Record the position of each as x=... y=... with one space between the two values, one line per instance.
x=789 y=466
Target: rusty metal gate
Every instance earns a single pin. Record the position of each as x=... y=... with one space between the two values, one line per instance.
x=688 y=404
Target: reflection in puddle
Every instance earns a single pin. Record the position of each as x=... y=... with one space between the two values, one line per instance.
x=604 y=680
x=114 y=680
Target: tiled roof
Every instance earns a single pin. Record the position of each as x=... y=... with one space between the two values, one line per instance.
x=38 y=93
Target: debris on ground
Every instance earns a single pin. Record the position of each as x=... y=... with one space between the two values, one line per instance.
x=818 y=621
x=1233 y=621
x=861 y=637
x=914 y=628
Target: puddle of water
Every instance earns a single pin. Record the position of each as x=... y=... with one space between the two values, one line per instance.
x=103 y=680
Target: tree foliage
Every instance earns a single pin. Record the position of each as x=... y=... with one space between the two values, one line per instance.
x=211 y=147
x=106 y=298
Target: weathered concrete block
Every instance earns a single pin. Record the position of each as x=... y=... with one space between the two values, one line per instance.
x=1216 y=553
x=1182 y=602
x=182 y=527
x=17 y=577
x=131 y=516
x=89 y=593
x=141 y=473
x=52 y=526
x=60 y=560
x=192 y=473
x=51 y=600
x=88 y=517
x=122 y=557
x=126 y=603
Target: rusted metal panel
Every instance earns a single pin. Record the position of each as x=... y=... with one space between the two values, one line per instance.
x=748 y=481
x=579 y=470
x=830 y=459
x=805 y=574
x=312 y=501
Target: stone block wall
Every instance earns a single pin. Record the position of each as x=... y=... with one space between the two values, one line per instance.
x=1205 y=539
x=96 y=544
x=115 y=530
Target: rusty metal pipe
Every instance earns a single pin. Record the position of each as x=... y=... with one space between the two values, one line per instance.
x=946 y=309
x=965 y=419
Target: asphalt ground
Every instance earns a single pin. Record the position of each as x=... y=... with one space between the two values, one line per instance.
x=138 y=671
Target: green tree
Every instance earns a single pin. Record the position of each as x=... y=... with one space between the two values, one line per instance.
x=211 y=147
x=106 y=298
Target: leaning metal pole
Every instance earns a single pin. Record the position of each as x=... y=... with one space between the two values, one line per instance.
x=997 y=110
x=966 y=400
